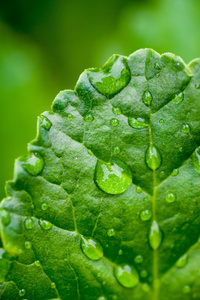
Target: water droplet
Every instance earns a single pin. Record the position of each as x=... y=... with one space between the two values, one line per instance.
x=161 y=121
x=116 y=150
x=183 y=260
x=170 y=197
x=138 y=189
x=90 y=153
x=70 y=117
x=153 y=157
x=145 y=215
x=111 y=232
x=89 y=118
x=197 y=86
x=178 y=98
x=60 y=102
x=37 y=263
x=186 y=289
x=29 y=223
x=114 y=177
x=45 y=122
x=22 y=292
x=27 y=245
x=179 y=66
x=138 y=259
x=137 y=123
x=162 y=174
x=116 y=111
x=126 y=275
x=102 y=298
x=5 y=217
x=91 y=248
x=175 y=172
x=155 y=236
x=46 y=225
x=196 y=159
x=114 y=122
x=180 y=149
x=143 y=273
x=44 y=206
x=53 y=285
x=156 y=66
x=145 y=287
x=33 y=164
x=185 y=128
x=147 y=98
x=120 y=252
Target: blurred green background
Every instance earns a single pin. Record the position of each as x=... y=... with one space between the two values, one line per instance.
x=45 y=45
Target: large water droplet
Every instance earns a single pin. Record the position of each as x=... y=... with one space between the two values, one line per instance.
x=126 y=275
x=116 y=111
x=153 y=157
x=5 y=217
x=53 y=285
x=22 y=292
x=138 y=189
x=170 y=197
x=137 y=123
x=89 y=118
x=91 y=248
x=196 y=159
x=138 y=259
x=111 y=232
x=185 y=128
x=37 y=263
x=179 y=98
x=44 y=206
x=114 y=177
x=114 y=122
x=147 y=98
x=145 y=215
x=27 y=245
x=70 y=117
x=175 y=172
x=116 y=150
x=155 y=236
x=182 y=261
x=45 y=122
x=186 y=289
x=33 y=164
x=46 y=225
x=29 y=223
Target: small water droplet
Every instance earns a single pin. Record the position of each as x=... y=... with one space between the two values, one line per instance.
x=32 y=206
x=102 y=298
x=120 y=252
x=28 y=223
x=183 y=260
x=153 y=157
x=60 y=102
x=114 y=122
x=46 y=225
x=91 y=248
x=138 y=259
x=197 y=86
x=137 y=123
x=170 y=197
x=178 y=98
x=179 y=66
x=145 y=215
x=33 y=164
x=37 y=263
x=27 y=245
x=180 y=149
x=155 y=236
x=5 y=217
x=156 y=66
x=45 y=122
x=161 y=121
x=22 y=292
x=175 y=172
x=126 y=275
x=162 y=174
x=114 y=177
x=196 y=159
x=70 y=117
x=143 y=273
x=138 y=189
x=147 y=98
x=186 y=289
x=89 y=118
x=116 y=150
x=116 y=111
x=185 y=128
x=111 y=232
x=145 y=287
x=53 y=285
x=44 y=206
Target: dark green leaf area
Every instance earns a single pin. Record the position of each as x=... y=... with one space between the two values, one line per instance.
x=105 y=205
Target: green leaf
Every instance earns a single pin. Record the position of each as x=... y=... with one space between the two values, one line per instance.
x=106 y=203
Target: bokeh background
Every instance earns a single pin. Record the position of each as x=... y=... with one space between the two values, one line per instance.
x=46 y=44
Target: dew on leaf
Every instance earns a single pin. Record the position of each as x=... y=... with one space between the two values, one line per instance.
x=137 y=123
x=186 y=289
x=153 y=157
x=138 y=189
x=53 y=285
x=28 y=223
x=116 y=150
x=147 y=98
x=102 y=298
x=5 y=217
x=143 y=273
x=179 y=98
x=44 y=206
x=91 y=248
x=116 y=111
x=175 y=172
x=60 y=102
x=33 y=164
x=70 y=117
x=27 y=245
x=89 y=118
x=197 y=86
x=114 y=177
x=114 y=122
x=145 y=215
x=127 y=275
x=37 y=263
x=196 y=159
x=22 y=292
x=138 y=259
x=120 y=252
x=170 y=197
x=111 y=232
x=162 y=174
x=185 y=128
x=155 y=236
x=161 y=121
x=183 y=260
x=46 y=225
x=45 y=122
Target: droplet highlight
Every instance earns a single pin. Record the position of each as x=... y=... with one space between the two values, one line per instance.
x=5 y=217
x=143 y=273
x=138 y=123
x=138 y=189
x=27 y=245
x=186 y=289
x=44 y=206
x=175 y=172
x=116 y=150
x=114 y=122
x=45 y=122
x=114 y=177
x=147 y=98
x=46 y=225
x=145 y=215
x=182 y=262
x=138 y=259
x=91 y=248
x=116 y=111
x=153 y=157
x=170 y=197
x=185 y=128
x=22 y=292
x=126 y=275
x=70 y=117
x=155 y=236
x=179 y=98
x=89 y=118
x=111 y=232
x=53 y=285
x=28 y=223
x=33 y=164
